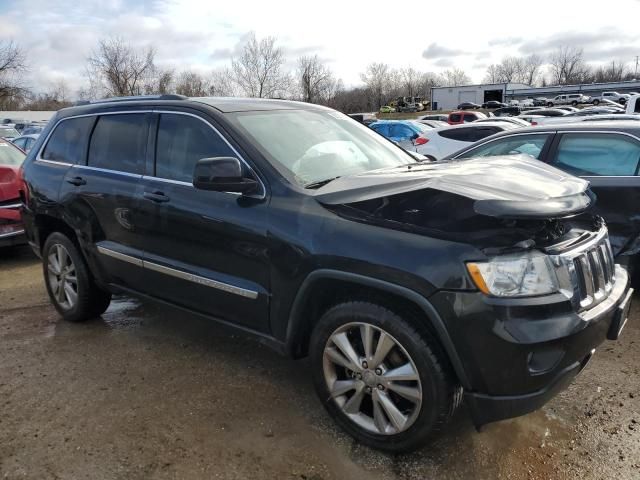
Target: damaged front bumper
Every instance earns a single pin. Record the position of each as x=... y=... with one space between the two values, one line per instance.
x=518 y=354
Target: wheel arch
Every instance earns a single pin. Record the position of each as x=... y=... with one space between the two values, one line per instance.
x=324 y=288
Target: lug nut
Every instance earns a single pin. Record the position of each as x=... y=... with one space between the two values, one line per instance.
x=365 y=365
x=378 y=371
x=380 y=387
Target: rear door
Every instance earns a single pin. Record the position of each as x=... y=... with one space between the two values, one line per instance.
x=101 y=193
x=205 y=250
x=610 y=162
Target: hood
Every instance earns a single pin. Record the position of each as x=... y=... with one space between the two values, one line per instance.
x=505 y=187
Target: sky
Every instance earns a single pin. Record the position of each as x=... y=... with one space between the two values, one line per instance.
x=200 y=35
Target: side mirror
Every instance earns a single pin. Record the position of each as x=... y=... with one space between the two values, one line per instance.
x=222 y=174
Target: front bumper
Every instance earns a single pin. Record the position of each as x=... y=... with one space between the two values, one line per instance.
x=16 y=237
x=518 y=354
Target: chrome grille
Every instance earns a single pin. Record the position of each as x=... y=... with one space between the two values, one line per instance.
x=591 y=271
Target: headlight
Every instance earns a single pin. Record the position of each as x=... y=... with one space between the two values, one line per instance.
x=515 y=275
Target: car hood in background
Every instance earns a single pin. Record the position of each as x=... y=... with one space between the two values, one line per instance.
x=506 y=187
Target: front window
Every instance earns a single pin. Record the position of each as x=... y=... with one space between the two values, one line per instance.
x=521 y=144
x=10 y=155
x=313 y=146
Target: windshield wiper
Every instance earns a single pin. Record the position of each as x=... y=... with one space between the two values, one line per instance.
x=320 y=183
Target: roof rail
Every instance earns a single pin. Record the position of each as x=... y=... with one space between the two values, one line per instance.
x=136 y=97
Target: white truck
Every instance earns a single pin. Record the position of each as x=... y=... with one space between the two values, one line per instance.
x=633 y=104
x=613 y=96
x=568 y=99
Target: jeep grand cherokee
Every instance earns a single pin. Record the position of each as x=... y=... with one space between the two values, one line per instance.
x=410 y=285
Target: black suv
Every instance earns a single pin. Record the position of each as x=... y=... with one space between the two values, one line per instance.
x=410 y=285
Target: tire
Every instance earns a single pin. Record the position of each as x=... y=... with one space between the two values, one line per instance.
x=596 y=102
x=414 y=350
x=574 y=103
x=549 y=104
x=81 y=299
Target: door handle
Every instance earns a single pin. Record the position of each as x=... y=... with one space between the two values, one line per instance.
x=157 y=197
x=77 y=181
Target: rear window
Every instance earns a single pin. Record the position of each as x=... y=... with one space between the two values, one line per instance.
x=119 y=142
x=470 y=134
x=469 y=118
x=455 y=117
x=10 y=155
x=68 y=141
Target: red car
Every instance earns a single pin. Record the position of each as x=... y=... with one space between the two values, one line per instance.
x=459 y=117
x=11 y=227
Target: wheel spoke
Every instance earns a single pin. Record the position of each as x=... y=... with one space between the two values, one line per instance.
x=72 y=279
x=54 y=265
x=336 y=357
x=341 y=340
x=62 y=256
x=70 y=294
x=366 y=332
x=340 y=387
x=410 y=393
x=60 y=292
x=385 y=344
x=405 y=372
x=379 y=418
x=353 y=404
x=396 y=417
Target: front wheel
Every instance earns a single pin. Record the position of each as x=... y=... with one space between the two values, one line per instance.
x=69 y=284
x=385 y=383
x=574 y=103
x=550 y=104
x=596 y=102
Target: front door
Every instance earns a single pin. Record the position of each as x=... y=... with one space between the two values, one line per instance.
x=205 y=250
x=610 y=162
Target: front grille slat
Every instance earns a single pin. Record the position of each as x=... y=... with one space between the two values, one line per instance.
x=593 y=274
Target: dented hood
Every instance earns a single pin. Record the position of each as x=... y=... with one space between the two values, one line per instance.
x=506 y=187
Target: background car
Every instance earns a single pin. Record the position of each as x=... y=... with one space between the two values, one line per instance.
x=548 y=112
x=568 y=99
x=387 y=109
x=457 y=118
x=508 y=111
x=518 y=122
x=32 y=129
x=11 y=227
x=25 y=142
x=441 y=142
x=605 y=153
x=406 y=133
x=567 y=108
x=8 y=133
x=441 y=117
x=432 y=123
x=539 y=101
x=468 y=106
x=493 y=104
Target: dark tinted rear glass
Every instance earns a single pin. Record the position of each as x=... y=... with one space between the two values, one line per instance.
x=119 y=142
x=68 y=141
x=455 y=117
x=182 y=141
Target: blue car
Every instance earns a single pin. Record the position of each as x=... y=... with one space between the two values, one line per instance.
x=406 y=133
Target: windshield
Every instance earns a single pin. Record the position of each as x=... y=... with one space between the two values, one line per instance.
x=313 y=146
x=8 y=133
x=10 y=155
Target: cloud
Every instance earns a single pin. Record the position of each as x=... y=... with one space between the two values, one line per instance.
x=505 y=41
x=444 y=62
x=435 y=51
x=597 y=45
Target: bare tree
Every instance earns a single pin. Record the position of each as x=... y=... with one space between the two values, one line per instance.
x=12 y=65
x=531 y=69
x=258 y=71
x=612 y=72
x=222 y=83
x=455 y=77
x=567 y=66
x=315 y=78
x=493 y=74
x=192 y=84
x=411 y=79
x=119 y=69
x=376 y=78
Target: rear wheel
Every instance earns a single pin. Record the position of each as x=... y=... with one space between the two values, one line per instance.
x=71 y=289
x=596 y=102
x=574 y=103
x=550 y=104
x=385 y=383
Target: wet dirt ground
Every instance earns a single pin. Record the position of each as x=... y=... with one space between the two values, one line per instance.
x=147 y=392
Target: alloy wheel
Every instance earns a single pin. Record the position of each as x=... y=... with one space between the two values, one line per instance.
x=63 y=281
x=372 y=378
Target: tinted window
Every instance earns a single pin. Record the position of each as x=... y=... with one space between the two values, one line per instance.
x=182 y=141
x=119 y=143
x=455 y=117
x=519 y=144
x=598 y=154
x=68 y=140
x=458 y=134
x=469 y=118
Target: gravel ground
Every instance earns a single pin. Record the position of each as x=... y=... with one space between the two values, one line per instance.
x=147 y=392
